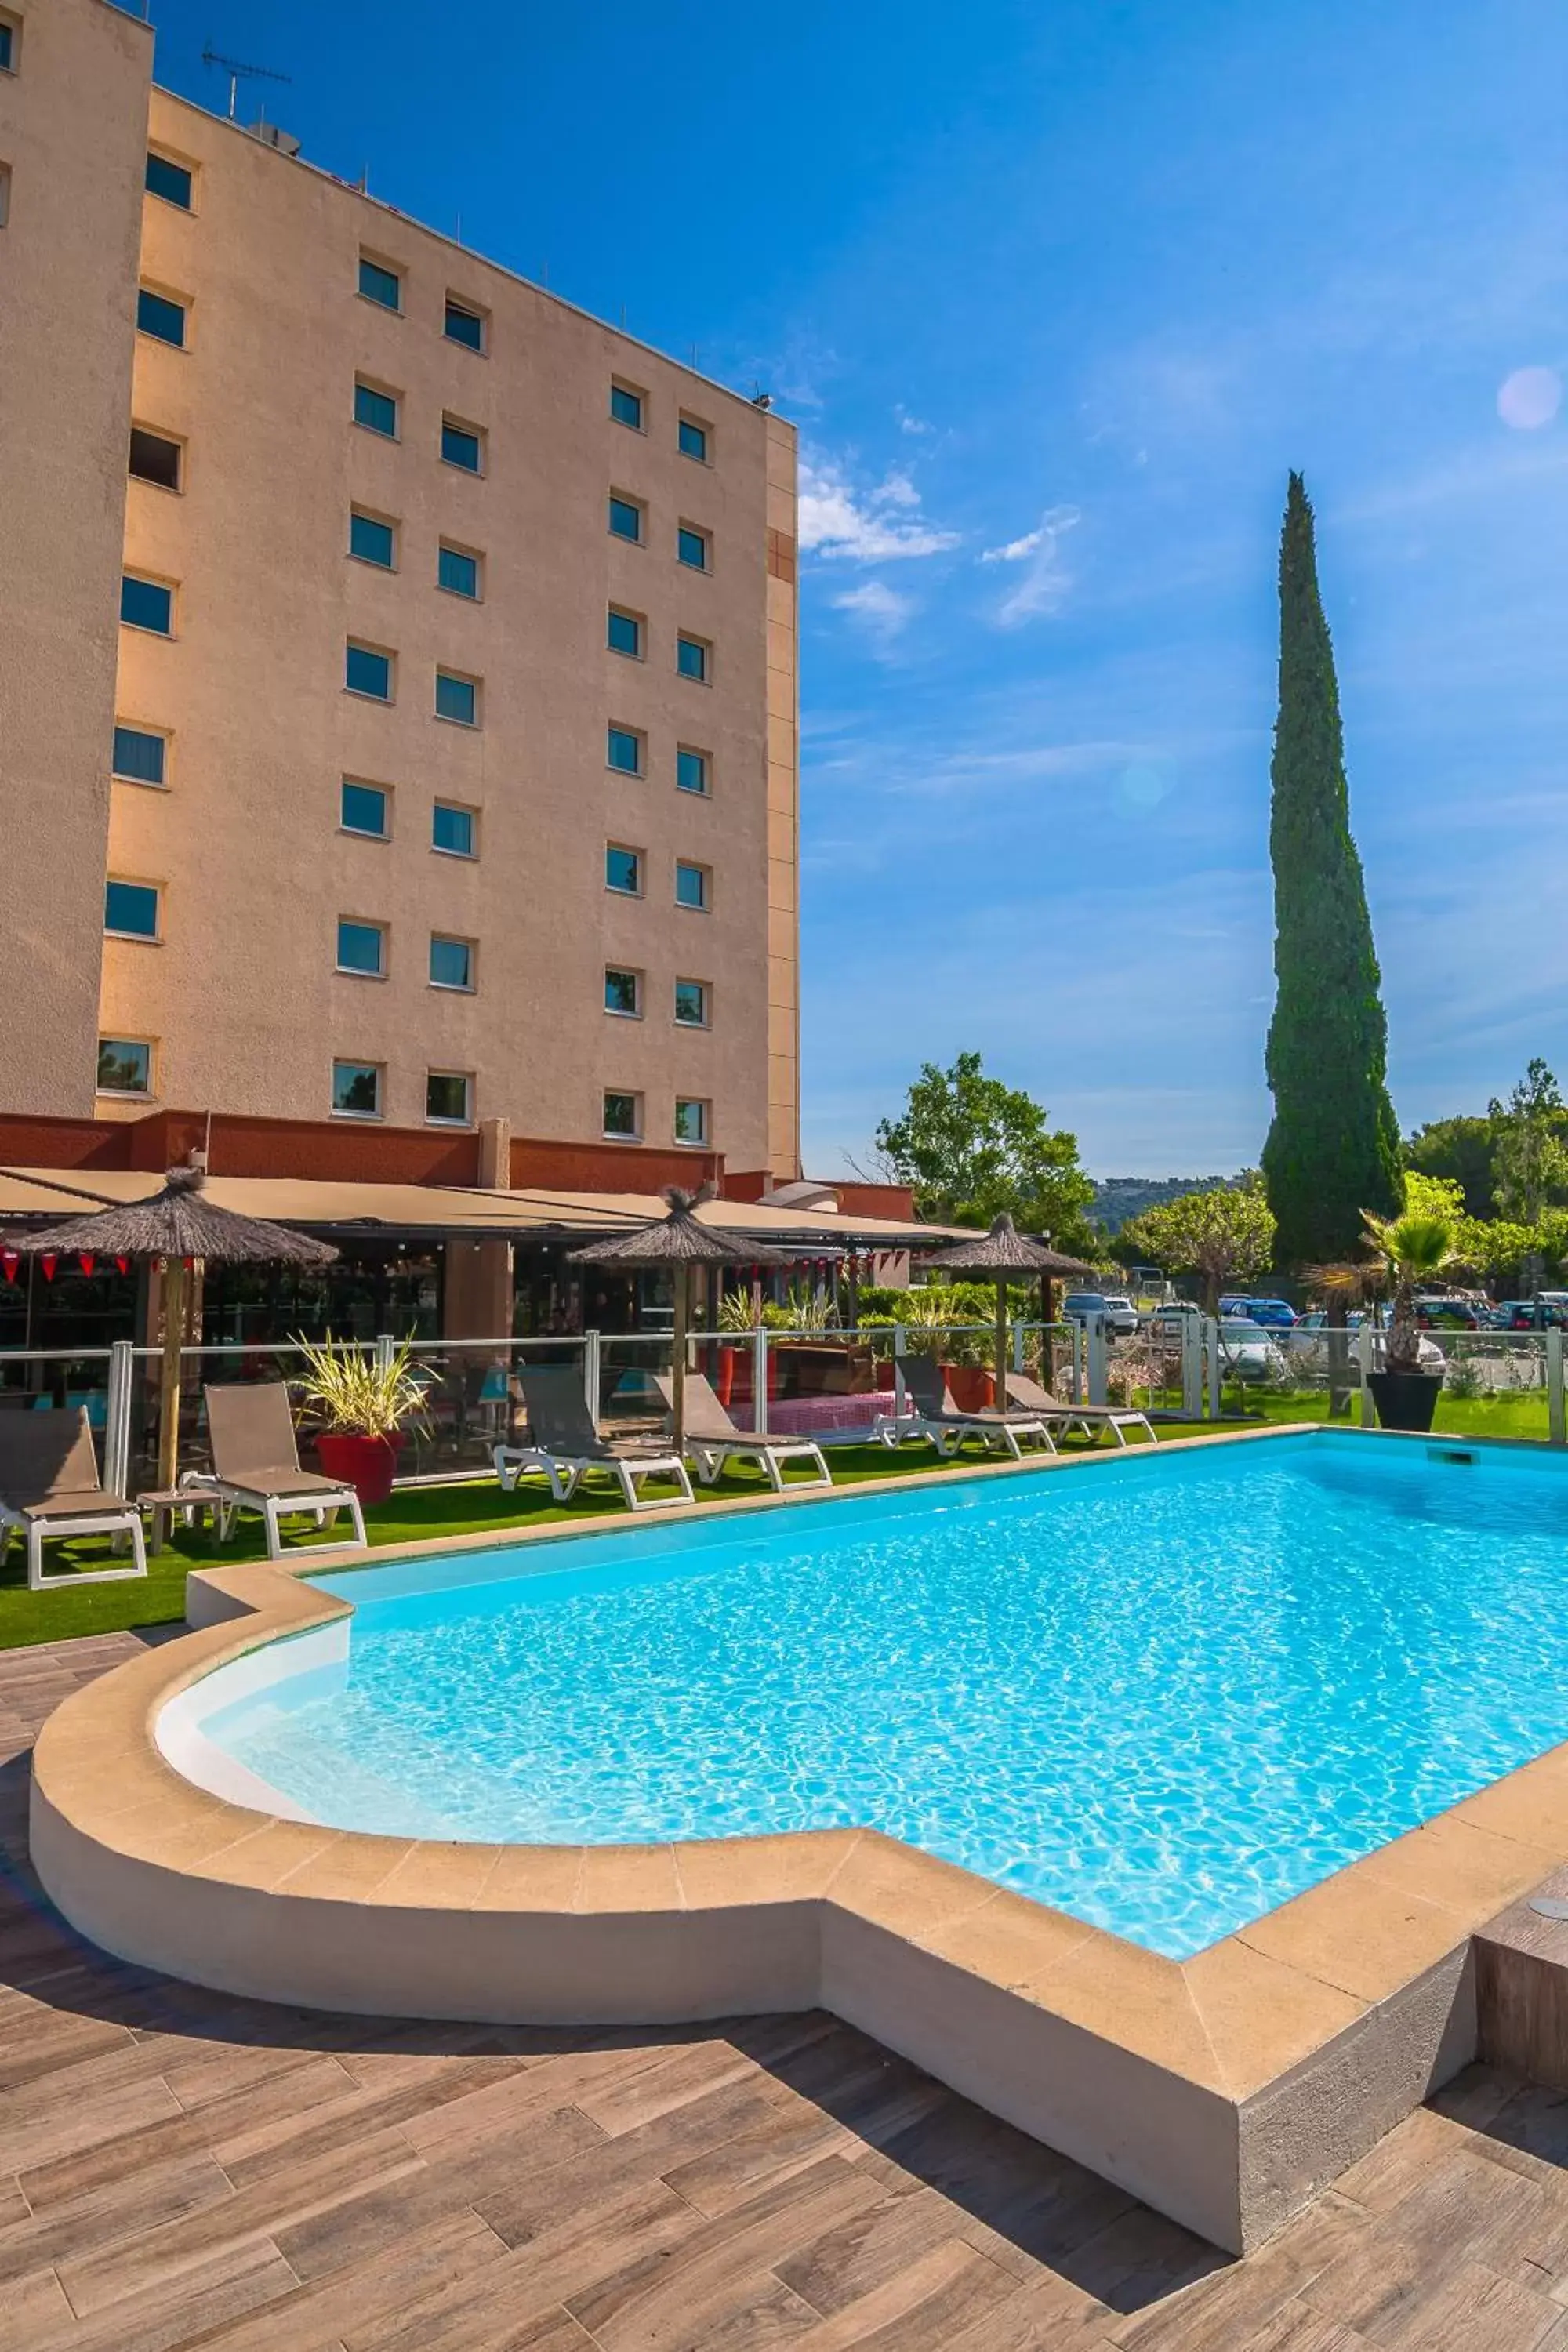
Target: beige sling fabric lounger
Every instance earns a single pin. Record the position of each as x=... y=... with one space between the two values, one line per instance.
x=50 y=1487
x=713 y=1438
x=565 y=1443
x=935 y=1416
x=256 y=1463
x=1089 y=1417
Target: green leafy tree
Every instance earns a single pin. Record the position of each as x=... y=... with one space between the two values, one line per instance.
x=1460 y=1150
x=1333 y=1148
x=971 y=1148
x=1530 y=1163
x=1226 y=1235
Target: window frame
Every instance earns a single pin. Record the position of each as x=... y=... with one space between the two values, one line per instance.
x=443 y=1119
x=468 y=987
x=388 y=523
x=177 y=303
x=630 y=391
x=703 y=648
x=379 y=652
x=359 y=832
x=469 y=857
x=476 y=686
x=703 y=1104
x=705 y=875
x=445 y=546
x=148 y=1045
x=170 y=588
x=176 y=163
x=640 y=856
x=451 y=423
x=377 y=1071
x=705 y=991
x=134 y=882
x=639 y=623
x=704 y=790
x=5 y=195
x=467 y=309
x=685 y=530
x=160 y=735
x=635 y=507
x=633 y=1134
x=377 y=392
x=685 y=421
x=620 y=1011
x=636 y=737
x=176 y=489
x=383 y=269
x=379 y=930
x=13 y=26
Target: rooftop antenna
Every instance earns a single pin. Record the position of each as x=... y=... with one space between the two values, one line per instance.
x=238 y=72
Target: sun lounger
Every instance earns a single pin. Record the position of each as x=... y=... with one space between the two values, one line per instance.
x=1090 y=1418
x=712 y=1439
x=256 y=1464
x=934 y=1415
x=564 y=1442
x=49 y=1488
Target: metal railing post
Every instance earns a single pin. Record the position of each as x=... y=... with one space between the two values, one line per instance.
x=1020 y=1332
x=1192 y=1368
x=1211 y=1336
x=1094 y=1335
x=1364 y=1366
x=117 y=1417
x=898 y=1339
x=385 y=1348
x=591 y=1372
x=1556 y=1420
x=1074 y=1330
x=760 y=1380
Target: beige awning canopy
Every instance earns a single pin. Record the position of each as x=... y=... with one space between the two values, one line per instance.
x=441 y=1210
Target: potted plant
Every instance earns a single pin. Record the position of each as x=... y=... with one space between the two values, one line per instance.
x=1413 y=1247
x=360 y=1403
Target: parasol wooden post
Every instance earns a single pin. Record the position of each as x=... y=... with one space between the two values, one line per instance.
x=682 y=1276
x=172 y=1292
x=1000 y=1397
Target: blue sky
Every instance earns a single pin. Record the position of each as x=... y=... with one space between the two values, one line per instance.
x=1055 y=294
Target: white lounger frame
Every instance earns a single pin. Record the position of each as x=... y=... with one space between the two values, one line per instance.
x=40 y=1531
x=948 y=1436
x=711 y=1453
x=566 y=1473
x=233 y=1496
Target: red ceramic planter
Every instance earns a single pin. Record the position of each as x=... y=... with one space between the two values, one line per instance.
x=368 y=1465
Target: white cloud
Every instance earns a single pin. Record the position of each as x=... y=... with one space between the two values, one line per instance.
x=883 y=612
x=909 y=423
x=1045 y=584
x=877 y=526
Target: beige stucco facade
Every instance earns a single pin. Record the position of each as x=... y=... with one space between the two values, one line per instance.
x=239 y=995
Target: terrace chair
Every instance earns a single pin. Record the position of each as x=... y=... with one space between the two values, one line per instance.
x=712 y=1440
x=50 y=1487
x=256 y=1464
x=1090 y=1418
x=936 y=1416
x=564 y=1442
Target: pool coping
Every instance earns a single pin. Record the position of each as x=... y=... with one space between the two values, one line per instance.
x=1224 y=2089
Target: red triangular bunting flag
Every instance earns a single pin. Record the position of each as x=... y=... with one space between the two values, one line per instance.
x=48 y=1262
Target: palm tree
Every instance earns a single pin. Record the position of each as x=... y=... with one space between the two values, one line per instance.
x=1413 y=1247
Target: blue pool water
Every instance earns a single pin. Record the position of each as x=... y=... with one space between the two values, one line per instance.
x=1164 y=1693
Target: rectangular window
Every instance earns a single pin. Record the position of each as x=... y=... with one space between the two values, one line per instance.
x=460 y=446
x=457 y=698
x=624 y=751
x=372 y=540
x=451 y=962
x=623 y=991
x=368 y=672
x=691 y=547
x=457 y=571
x=7 y=48
x=626 y=518
x=691 y=658
x=160 y=317
x=464 y=326
x=131 y=909
x=448 y=1098
x=691 y=1120
x=691 y=885
x=626 y=406
x=691 y=1003
x=141 y=757
x=361 y=947
x=363 y=809
x=4 y=193
x=356 y=1090
x=690 y=771
x=623 y=1117
x=154 y=458
x=146 y=605
x=623 y=871
x=376 y=411
x=124 y=1066
x=169 y=179
x=624 y=634
x=381 y=285
x=452 y=829
x=693 y=439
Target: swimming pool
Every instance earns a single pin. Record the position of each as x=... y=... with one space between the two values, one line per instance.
x=1164 y=1695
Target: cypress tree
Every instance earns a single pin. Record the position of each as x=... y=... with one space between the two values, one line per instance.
x=1333 y=1145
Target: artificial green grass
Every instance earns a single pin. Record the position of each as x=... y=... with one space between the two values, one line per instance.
x=412 y=1515
x=1518 y=1412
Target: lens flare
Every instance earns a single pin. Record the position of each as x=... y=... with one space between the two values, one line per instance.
x=1530 y=398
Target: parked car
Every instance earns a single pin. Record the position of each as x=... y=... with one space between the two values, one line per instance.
x=1169 y=1322
x=1121 y=1314
x=1247 y=1351
x=1446 y=1314
x=1273 y=1314
x=1079 y=1305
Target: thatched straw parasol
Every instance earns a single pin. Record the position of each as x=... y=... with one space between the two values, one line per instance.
x=180 y=1228
x=1004 y=1256
x=679 y=1241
